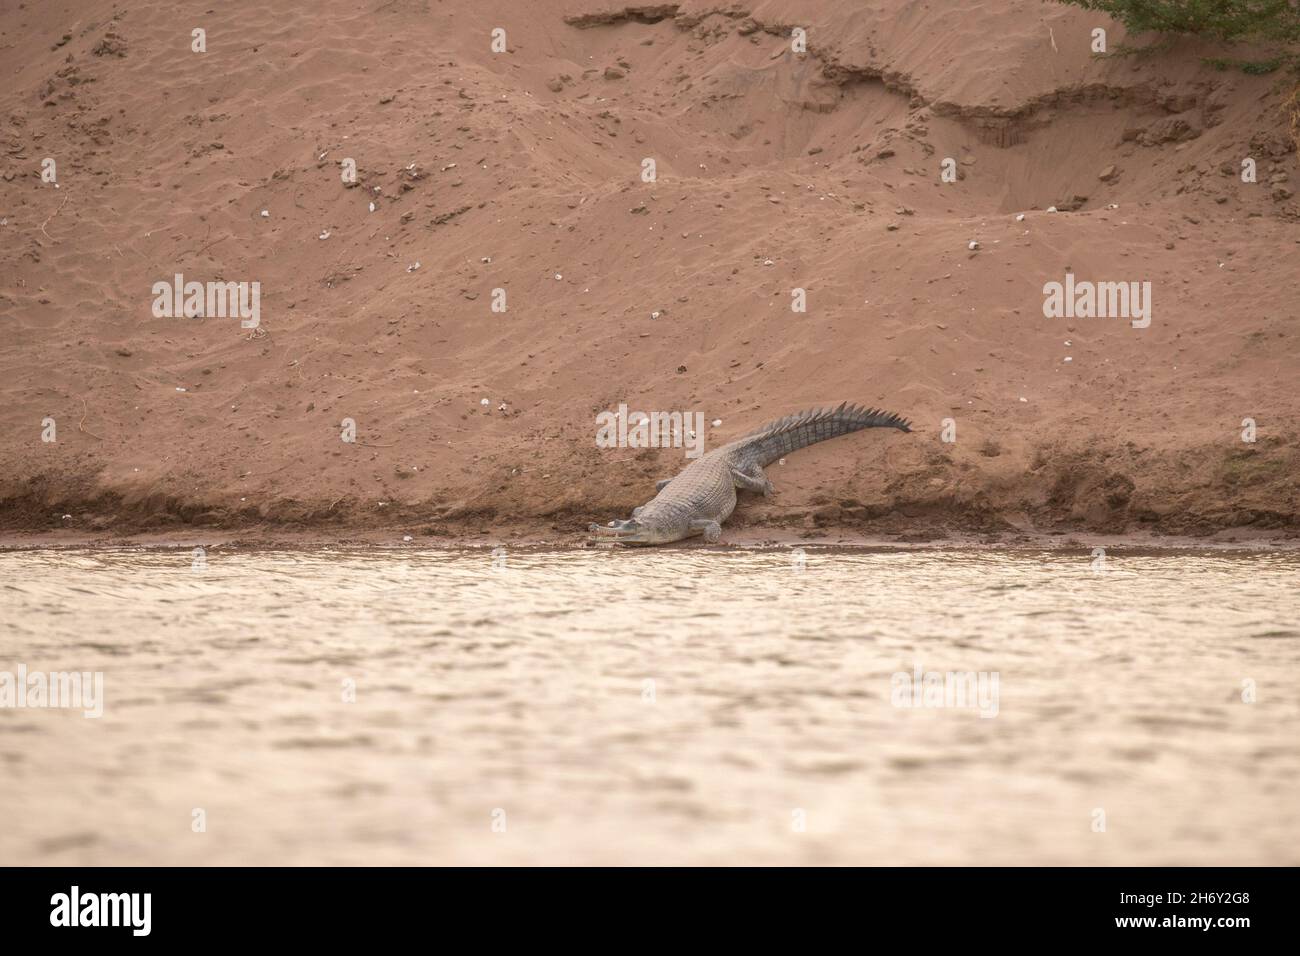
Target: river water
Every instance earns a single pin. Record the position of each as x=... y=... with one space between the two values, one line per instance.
x=651 y=706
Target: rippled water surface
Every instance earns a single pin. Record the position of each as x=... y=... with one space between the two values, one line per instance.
x=659 y=706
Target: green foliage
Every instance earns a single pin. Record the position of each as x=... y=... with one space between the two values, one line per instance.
x=1277 y=20
x=1260 y=67
x=1253 y=67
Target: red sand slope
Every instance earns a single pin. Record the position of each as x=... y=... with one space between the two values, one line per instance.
x=521 y=171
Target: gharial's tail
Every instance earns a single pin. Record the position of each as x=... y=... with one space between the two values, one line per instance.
x=779 y=438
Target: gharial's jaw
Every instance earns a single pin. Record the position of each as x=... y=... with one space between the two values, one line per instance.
x=630 y=531
x=624 y=532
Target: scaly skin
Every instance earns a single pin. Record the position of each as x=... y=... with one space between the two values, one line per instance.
x=703 y=496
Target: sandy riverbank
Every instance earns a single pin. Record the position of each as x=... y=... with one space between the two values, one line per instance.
x=520 y=172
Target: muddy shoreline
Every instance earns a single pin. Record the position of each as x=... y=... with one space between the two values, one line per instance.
x=535 y=536
x=857 y=490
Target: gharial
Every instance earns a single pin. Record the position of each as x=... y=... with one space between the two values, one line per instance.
x=703 y=496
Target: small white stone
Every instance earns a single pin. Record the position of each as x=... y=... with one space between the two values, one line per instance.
x=1020 y=217
x=324 y=235
x=179 y=389
x=266 y=214
x=717 y=422
x=972 y=245
x=1051 y=209
x=1068 y=359
x=484 y=401
x=1023 y=399
x=406 y=537
x=558 y=277
x=372 y=207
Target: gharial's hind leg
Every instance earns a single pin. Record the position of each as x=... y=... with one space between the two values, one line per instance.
x=711 y=529
x=753 y=480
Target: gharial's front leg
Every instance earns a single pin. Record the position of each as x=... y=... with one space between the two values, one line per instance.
x=711 y=530
x=753 y=479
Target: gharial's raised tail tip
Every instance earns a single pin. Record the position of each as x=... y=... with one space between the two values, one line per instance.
x=875 y=417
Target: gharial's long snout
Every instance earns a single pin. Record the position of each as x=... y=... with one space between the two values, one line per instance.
x=629 y=531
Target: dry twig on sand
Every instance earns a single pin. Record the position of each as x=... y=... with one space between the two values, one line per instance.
x=81 y=424
x=66 y=196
